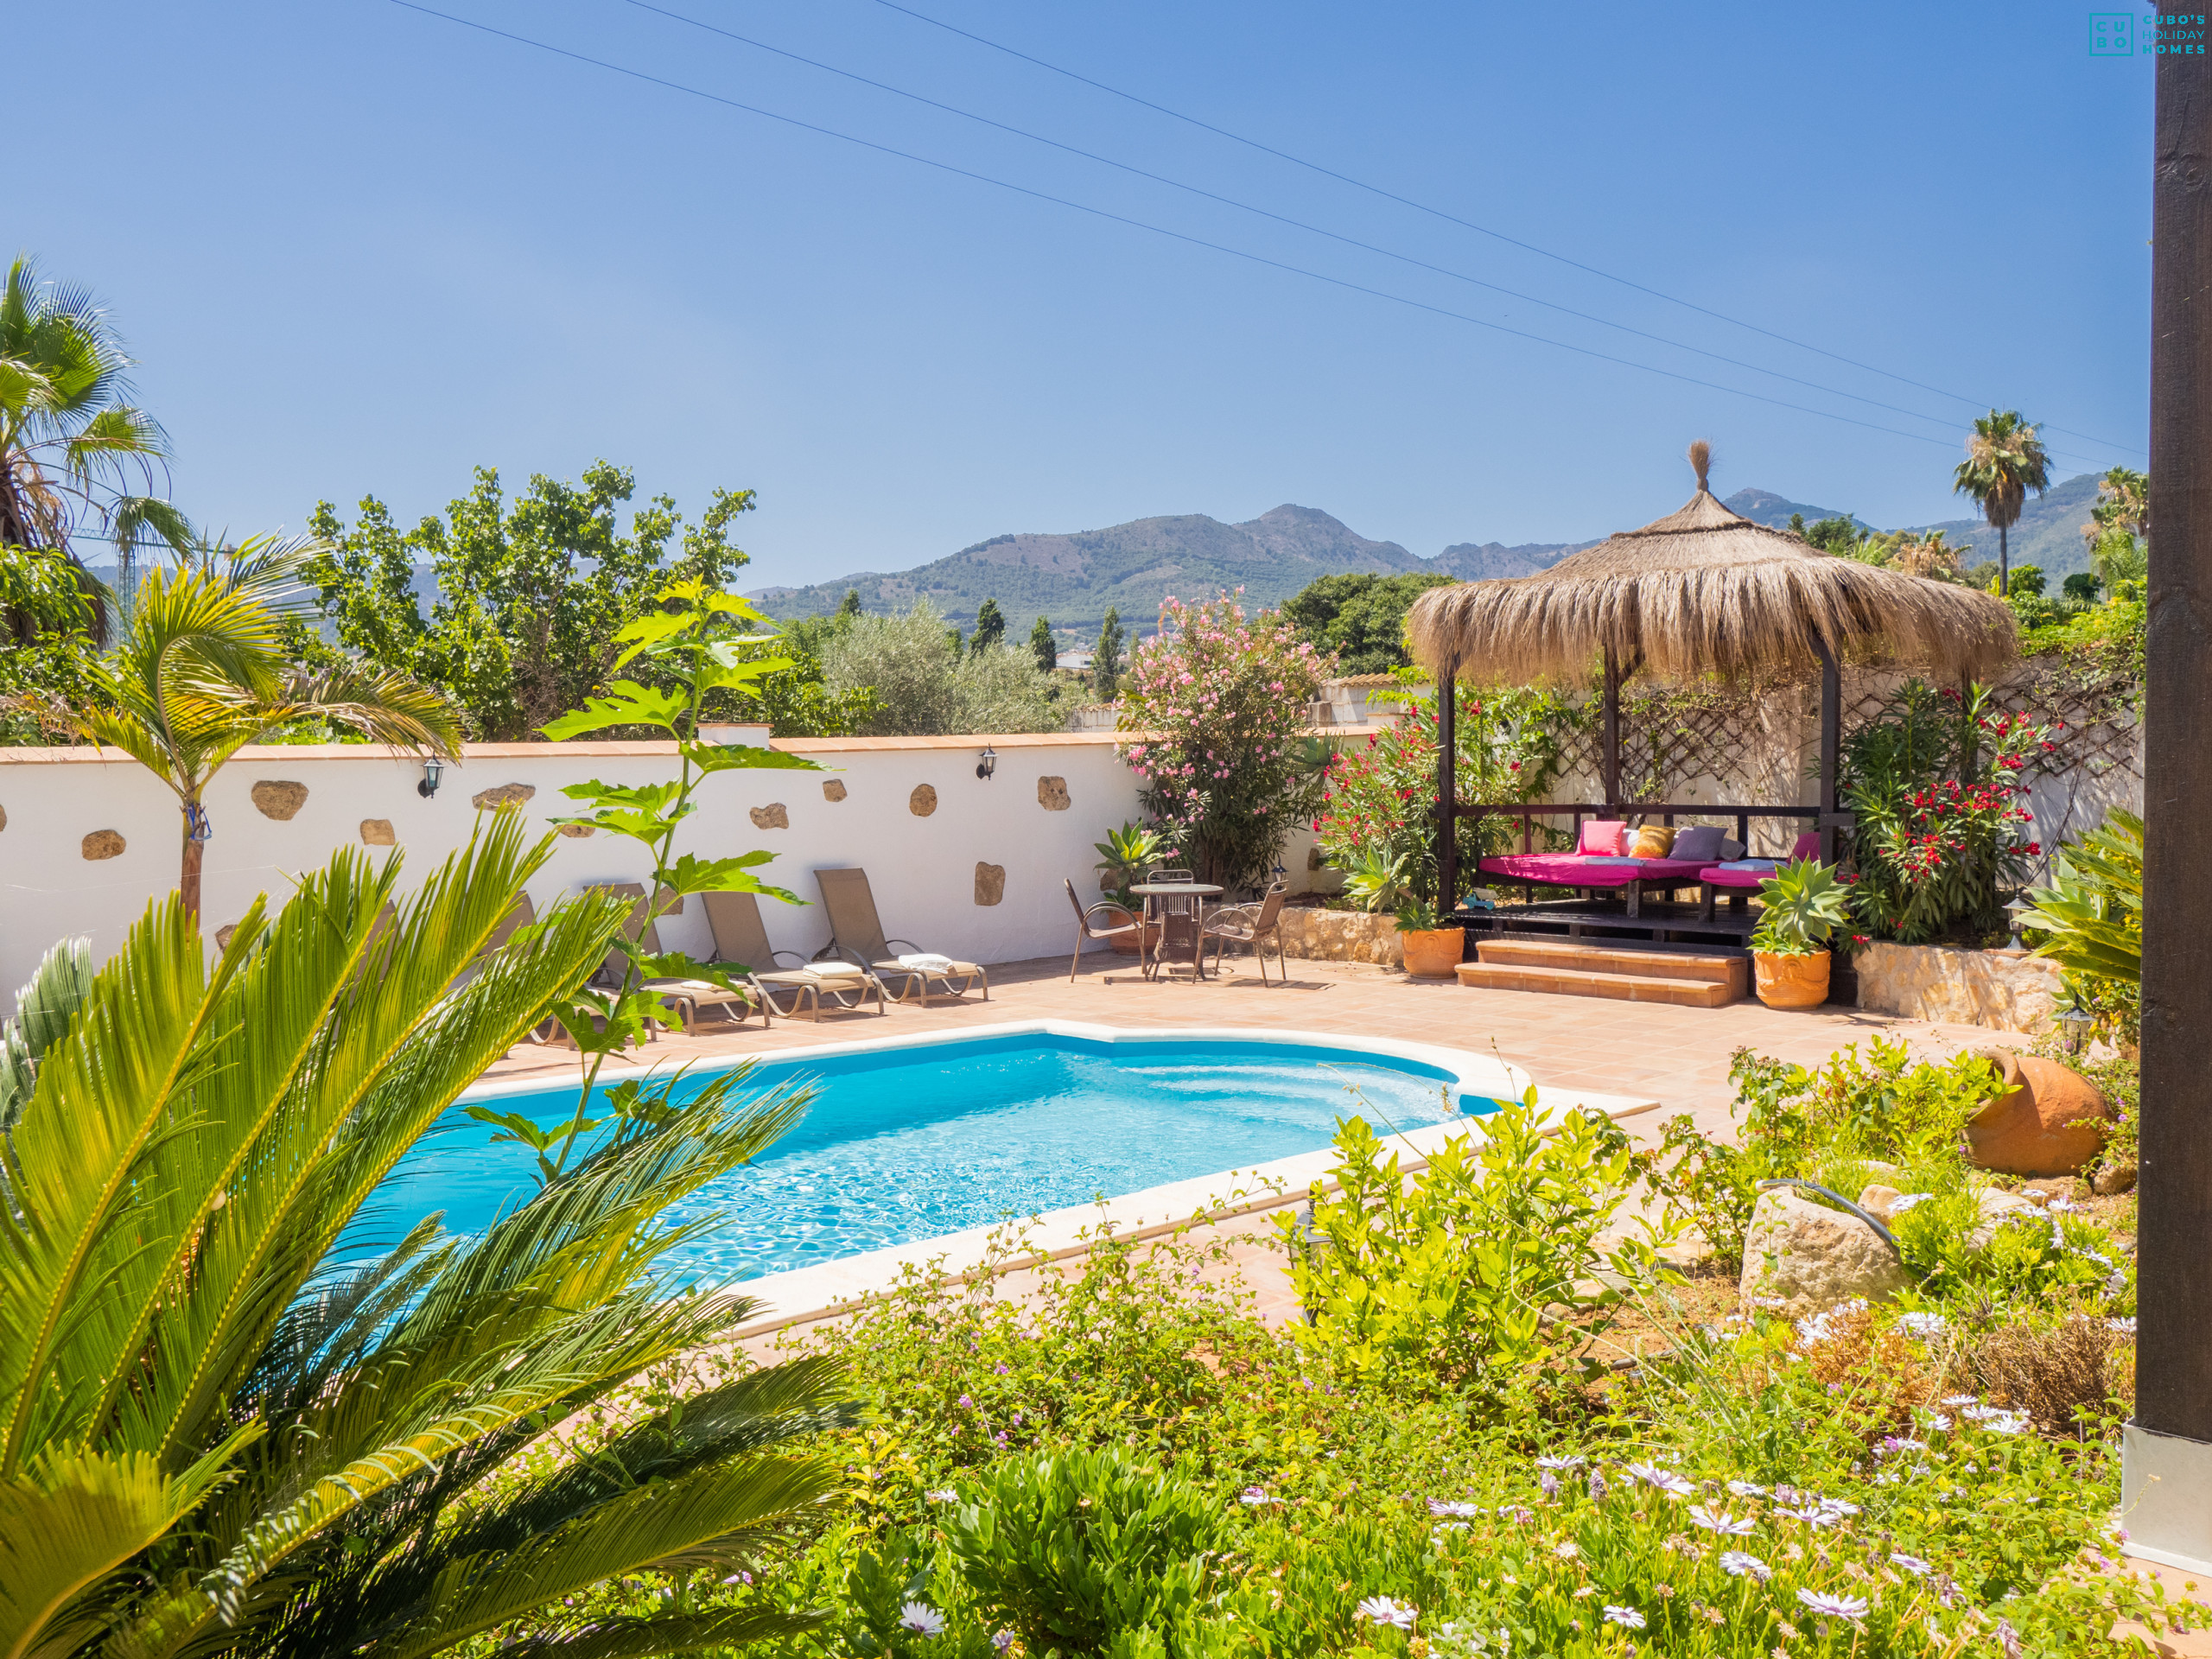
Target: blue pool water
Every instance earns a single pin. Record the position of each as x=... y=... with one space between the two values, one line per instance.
x=901 y=1144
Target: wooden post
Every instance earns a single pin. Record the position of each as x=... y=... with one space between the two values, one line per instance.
x=1447 y=791
x=1613 y=757
x=1831 y=741
x=2166 y=1480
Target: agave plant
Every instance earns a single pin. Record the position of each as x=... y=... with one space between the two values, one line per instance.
x=1128 y=852
x=231 y=1421
x=1804 y=904
x=1378 y=882
x=2091 y=914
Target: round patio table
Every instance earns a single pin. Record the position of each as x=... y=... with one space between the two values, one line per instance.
x=1179 y=933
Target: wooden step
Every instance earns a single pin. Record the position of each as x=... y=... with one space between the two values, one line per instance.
x=1576 y=982
x=1585 y=955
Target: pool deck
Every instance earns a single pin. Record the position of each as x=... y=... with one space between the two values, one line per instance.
x=1677 y=1057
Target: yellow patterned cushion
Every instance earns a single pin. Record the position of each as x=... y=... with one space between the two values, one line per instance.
x=1653 y=841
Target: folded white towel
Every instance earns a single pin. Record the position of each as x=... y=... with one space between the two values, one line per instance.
x=927 y=962
x=836 y=970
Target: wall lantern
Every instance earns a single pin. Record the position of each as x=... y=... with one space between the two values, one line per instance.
x=433 y=769
x=989 y=762
x=2076 y=1022
x=2021 y=906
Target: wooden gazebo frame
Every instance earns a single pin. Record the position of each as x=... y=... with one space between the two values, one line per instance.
x=1701 y=592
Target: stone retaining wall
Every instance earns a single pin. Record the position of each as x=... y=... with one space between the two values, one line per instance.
x=1994 y=988
x=1342 y=936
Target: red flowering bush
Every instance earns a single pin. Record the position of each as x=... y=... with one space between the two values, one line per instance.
x=1213 y=708
x=1934 y=782
x=1382 y=797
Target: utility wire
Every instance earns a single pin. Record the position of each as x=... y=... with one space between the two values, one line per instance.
x=1157 y=230
x=1295 y=224
x=1467 y=224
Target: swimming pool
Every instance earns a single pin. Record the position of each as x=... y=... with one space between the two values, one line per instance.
x=907 y=1139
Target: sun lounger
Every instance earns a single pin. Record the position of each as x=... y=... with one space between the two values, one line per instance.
x=742 y=941
x=856 y=936
x=690 y=995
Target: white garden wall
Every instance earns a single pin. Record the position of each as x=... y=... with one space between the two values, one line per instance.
x=923 y=868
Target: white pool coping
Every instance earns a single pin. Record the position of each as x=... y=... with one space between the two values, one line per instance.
x=823 y=1291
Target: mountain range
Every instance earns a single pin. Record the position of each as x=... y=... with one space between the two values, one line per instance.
x=1074 y=578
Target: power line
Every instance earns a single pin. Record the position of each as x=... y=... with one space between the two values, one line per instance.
x=1468 y=224
x=1157 y=230
x=1295 y=224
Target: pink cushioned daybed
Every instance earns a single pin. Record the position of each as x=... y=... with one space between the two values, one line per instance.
x=1742 y=874
x=1596 y=865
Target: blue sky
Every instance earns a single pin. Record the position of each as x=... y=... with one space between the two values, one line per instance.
x=357 y=249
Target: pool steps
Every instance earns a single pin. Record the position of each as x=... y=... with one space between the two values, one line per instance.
x=1577 y=968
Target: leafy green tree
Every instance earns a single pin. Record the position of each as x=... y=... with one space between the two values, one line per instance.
x=2082 y=586
x=1361 y=618
x=2004 y=461
x=231 y=1426
x=531 y=596
x=71 y=441
x=199 y=674
x=2029 y=579
x=924 y=690
x=1044 y=647
x=1106 y=658
x=990 y=628
x=850 y=606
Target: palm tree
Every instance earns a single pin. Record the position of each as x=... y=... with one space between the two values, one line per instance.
x=2004 y=461
x=230 y=1424
x=198 y=673
x=70 y=440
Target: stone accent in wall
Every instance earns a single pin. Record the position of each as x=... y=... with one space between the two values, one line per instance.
x=103 y=843
x=771 y=817
x=1052 y=794
x=1341 y=936
x=225 y=934
x=377 y=832
x=4 y=817
x=833 y=789
x=990 y=883
x=1993 y=989
x=279 y=798
x=577 y=831
x=486 y=799
x=923 y=801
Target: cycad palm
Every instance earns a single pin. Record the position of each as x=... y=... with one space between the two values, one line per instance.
x=199 y=674
x=2004 y=461
x=223 y=1430
x=70 y=440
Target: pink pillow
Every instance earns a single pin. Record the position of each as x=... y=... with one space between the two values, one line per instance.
x=1603 y=837
x=1808 y=845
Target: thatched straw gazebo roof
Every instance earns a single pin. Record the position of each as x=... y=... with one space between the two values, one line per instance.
x=1704 y=591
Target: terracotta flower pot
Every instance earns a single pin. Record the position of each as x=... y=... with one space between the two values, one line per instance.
x=1434 y=952
x=1792 y=982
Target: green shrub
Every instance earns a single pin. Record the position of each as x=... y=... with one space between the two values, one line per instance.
x=1712 y=1185
x=1446 y=1277
x=1080 y=1551
x=1881 y=1106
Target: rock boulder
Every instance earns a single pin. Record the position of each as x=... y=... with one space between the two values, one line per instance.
x=1800 y=1256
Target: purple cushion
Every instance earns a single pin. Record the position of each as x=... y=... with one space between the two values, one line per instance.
x=1700 y=843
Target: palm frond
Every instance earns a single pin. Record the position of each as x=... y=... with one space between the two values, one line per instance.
x=661 y=1633
x=45 y=1005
